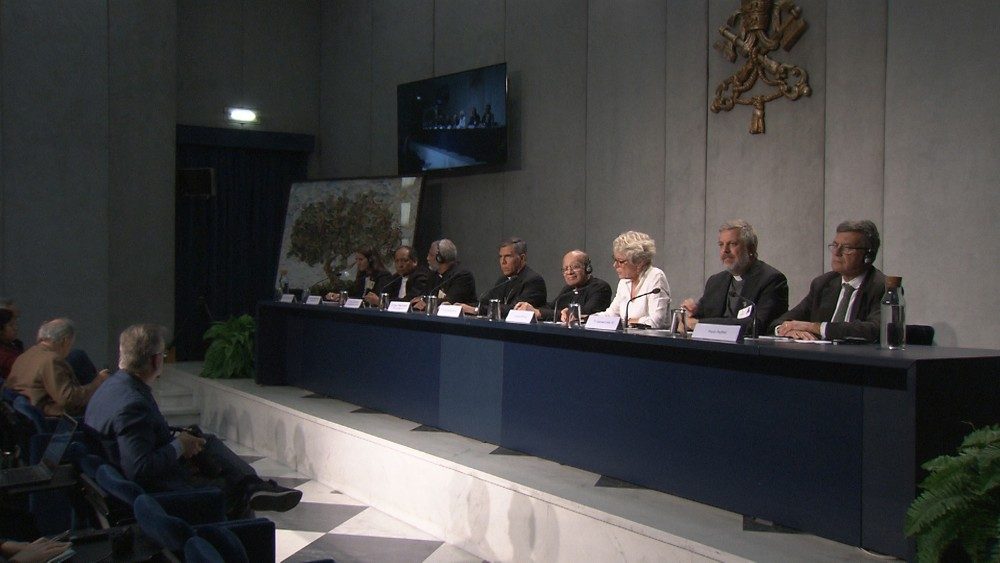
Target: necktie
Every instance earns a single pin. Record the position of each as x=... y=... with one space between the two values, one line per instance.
x=402 y=287
x=840 y=315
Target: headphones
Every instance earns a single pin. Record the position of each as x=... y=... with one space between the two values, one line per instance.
x=438 y=258
x=869 y=258
x=588 y=268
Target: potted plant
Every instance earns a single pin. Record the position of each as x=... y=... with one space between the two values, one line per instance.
x=230 y=352
x=959 y=508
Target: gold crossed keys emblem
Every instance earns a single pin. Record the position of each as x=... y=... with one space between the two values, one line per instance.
x=764 y=25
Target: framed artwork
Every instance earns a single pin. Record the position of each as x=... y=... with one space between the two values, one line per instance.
x=328 y=221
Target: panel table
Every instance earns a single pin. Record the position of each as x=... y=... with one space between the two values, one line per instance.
x=826 y=439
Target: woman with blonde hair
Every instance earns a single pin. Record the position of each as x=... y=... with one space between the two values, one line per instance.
x=633 y=261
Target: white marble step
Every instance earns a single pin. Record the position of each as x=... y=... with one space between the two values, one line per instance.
x=177 y=402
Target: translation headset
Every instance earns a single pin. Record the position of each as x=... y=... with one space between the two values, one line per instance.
x=438 y=258
x=588 y=268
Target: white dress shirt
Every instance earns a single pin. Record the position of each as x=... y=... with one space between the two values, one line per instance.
x=652 y=310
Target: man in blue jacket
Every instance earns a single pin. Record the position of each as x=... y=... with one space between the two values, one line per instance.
x=138 y=439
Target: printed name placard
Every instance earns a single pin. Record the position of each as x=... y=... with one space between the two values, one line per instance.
x=287 y=298
x=314 y=299
x=452 y=311
x=720 y=333
x=603 y=322
x=353 y=304
x=399 y=307
x=520 y=317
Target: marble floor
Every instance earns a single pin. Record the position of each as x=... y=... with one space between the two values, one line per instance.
x=501 y=504
x=330 y=525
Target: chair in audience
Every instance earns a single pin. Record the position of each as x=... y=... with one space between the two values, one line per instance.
x=199 y=506
x=254 y=536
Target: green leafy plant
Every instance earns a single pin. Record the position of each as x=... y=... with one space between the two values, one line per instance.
x=960 y=502
x=230 y=353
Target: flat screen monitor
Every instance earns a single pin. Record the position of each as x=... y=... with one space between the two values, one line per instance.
x=453 y=122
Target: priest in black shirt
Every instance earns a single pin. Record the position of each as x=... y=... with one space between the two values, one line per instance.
x=592 y=293
x=516 y=283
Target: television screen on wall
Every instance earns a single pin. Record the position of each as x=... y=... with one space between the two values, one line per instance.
x=453 y=122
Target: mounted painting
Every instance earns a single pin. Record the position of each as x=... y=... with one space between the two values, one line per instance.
x=328 y=221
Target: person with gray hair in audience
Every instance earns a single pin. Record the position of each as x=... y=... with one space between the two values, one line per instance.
x=643 y=292
x=137 y=438
x=844 y=303
x=747 y=291
x=42 y=375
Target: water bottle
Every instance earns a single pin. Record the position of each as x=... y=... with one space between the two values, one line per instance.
x=892 y=334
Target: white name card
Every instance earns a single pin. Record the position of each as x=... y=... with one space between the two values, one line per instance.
x=603 y=322
x=353 y=304
x=452 y=311
x=399 y=307
x=720 y=333
x=520 y=317
x=287 y=298
x=314 y=299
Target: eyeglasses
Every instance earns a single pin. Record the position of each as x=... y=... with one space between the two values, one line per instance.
x=844 y=249
x=618 y=263
x=573 y=268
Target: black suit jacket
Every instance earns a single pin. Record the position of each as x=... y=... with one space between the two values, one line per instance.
x=457 y=284
x=416 y=285
x=595 y=296
x=378 y=278
x=527 y=286
x=818 y=306
x=762 y=284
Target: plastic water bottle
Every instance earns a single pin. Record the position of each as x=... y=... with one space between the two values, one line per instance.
x=892 y=334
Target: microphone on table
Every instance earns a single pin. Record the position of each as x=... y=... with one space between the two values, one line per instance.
x=555 y=304
x=753 y=312
x=490 y=290
x=654 y=291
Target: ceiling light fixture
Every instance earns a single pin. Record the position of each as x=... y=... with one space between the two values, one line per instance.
x=243 y=115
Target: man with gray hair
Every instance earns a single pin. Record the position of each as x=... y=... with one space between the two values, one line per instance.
x=138 y=439
x=747 y=291
x=844 y=303
x=451 y=282
x=42 y=375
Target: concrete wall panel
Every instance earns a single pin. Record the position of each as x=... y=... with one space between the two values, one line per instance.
x=142 y=122
x=773 y=180
x=941 y=177
x=55 y=174
x=625 y=125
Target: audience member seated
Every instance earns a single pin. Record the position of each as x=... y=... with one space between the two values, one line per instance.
x=410 y=280
x=517 y=282
x=592 y=293
x=845 y=302
x=633 y=261
x=38 y=551
x=10 y=346
x=746 y=282
x=449 y=281
x=42 y=375
x=137 y=438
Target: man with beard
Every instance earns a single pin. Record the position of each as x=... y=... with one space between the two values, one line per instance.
x=746 y=282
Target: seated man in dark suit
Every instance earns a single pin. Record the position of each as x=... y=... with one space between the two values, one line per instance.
x=410 y=280
x=516 y=283
x=746 y=282
x=137 y=438
x=592 y=293
x=452 y=283
x=845 y=302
